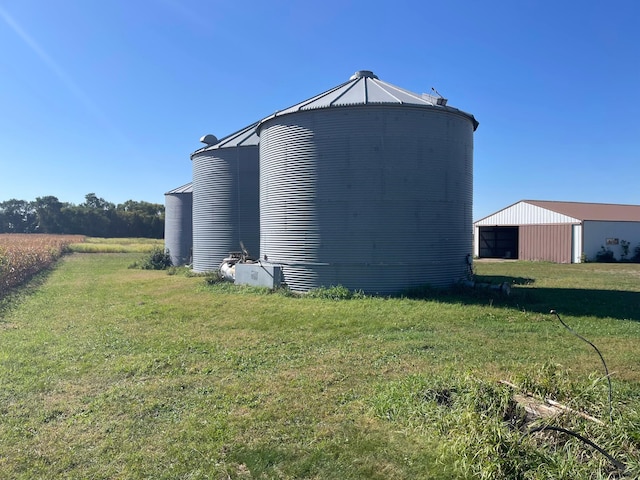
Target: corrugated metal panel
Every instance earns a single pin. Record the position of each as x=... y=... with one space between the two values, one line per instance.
x=178 y=231
x=244 y=137
x=523 y=213
x=552 y=243
x=365 y=88
x=225 y=204
x=377 y=198
x=187 y=188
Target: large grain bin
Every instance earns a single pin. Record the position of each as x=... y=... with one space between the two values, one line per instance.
x=178 y=237
x=369 y=186
x=225 y=198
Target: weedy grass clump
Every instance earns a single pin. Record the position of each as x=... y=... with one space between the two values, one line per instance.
x=336 y=292
x=215 y=283
x=484 y=433
x=156 y=259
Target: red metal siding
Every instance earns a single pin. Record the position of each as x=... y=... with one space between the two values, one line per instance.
x=551 y=243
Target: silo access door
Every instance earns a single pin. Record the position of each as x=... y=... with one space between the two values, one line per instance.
x=498 y=242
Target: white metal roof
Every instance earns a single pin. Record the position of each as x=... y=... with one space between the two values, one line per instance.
x=187 y=188
x=365 y=88
x=535 y=212
x=244 y=137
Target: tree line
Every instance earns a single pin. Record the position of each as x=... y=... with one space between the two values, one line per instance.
x=95 y=217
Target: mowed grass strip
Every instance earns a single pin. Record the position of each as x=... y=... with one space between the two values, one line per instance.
x=117 y=245
x=109 y=372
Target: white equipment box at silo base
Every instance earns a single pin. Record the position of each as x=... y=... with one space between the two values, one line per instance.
x=258 y=275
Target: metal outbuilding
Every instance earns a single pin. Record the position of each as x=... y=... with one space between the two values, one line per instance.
x=225 y=198
x=561 y=232
x=369 y=186
x=178 y=232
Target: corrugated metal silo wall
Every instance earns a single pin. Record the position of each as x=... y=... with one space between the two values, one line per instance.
x=373 y=198
x=225 y=205
x=178 y=229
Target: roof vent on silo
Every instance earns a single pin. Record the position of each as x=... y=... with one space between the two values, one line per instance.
x=363 y=74
x=209 y=139
x=440 y=100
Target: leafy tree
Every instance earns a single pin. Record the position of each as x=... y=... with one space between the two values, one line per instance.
x=144 y=208
x=49 y=214
x=92 y=202
x=94 y=217
x=143 y=219
x=17 y=216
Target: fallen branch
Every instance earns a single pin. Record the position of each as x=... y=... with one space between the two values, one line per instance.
x=555 y=404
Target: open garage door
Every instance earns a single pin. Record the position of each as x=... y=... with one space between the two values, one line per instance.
x=498 y=242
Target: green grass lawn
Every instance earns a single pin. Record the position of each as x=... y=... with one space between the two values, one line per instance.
x=111 y=372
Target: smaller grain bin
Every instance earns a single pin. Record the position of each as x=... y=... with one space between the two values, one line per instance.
x=226 y=211
x=367 y=185
x=178 y=237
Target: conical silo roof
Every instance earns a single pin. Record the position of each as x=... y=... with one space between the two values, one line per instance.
x=365 y=88
x=187 y=188
x=244 y=137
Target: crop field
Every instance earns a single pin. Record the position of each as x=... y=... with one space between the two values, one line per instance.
x=110 y=372
x=24 y=255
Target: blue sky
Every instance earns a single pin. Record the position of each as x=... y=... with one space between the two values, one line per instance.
x=111 y=97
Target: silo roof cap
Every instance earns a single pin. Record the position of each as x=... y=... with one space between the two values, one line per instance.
x=363 y=73
x=365 y=88
x=209 y=139
x=187 y=188
x=244 y=137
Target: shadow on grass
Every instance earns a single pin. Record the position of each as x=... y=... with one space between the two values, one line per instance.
x=619 y=304
x=623 y=305
x=497 y=279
